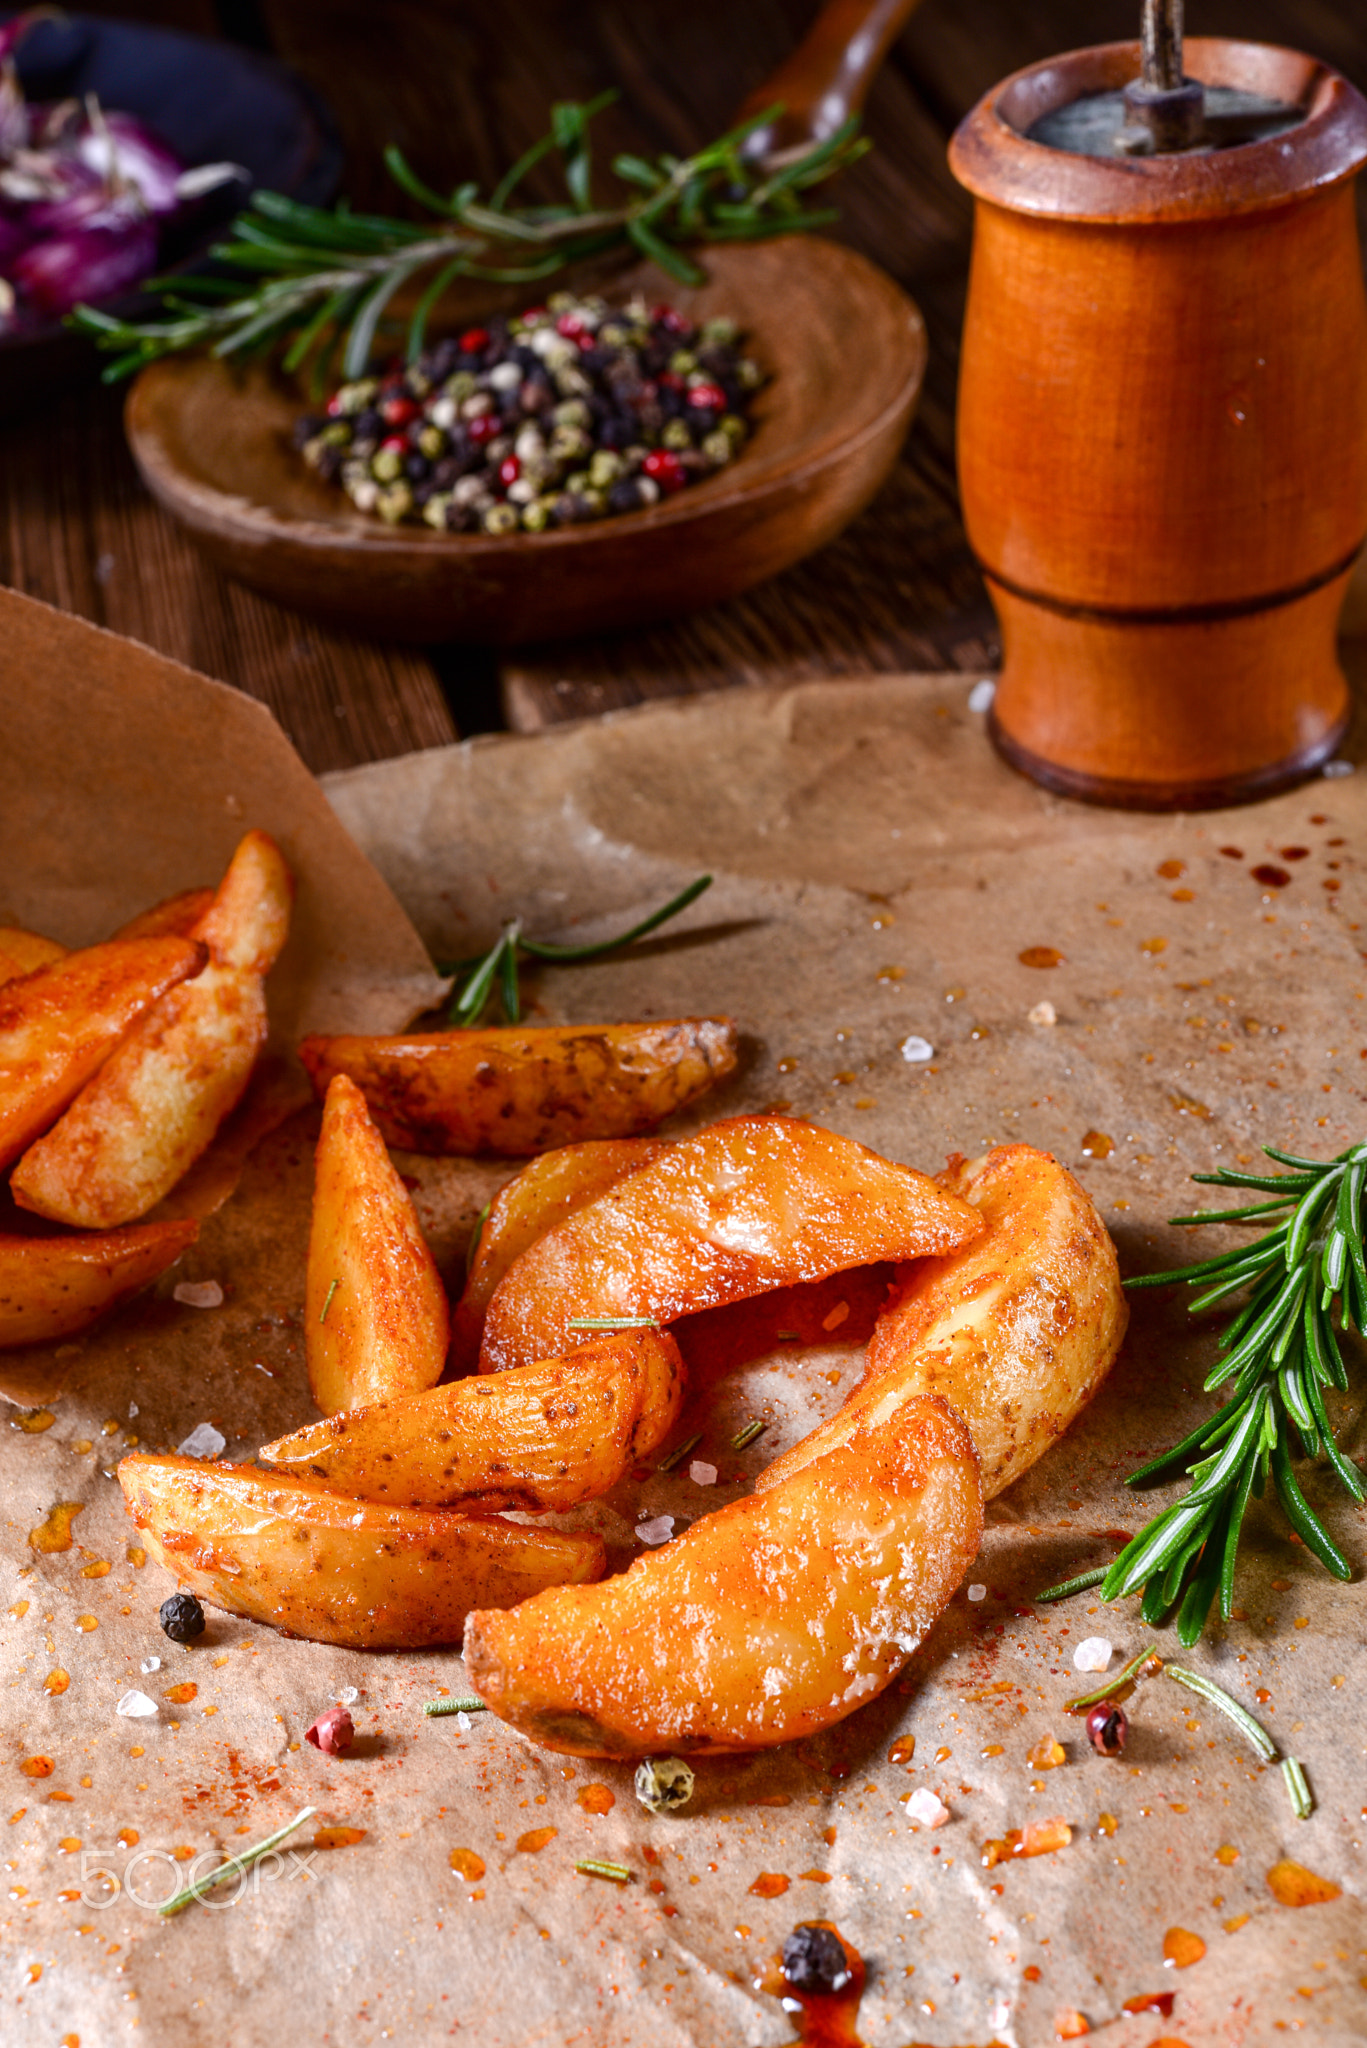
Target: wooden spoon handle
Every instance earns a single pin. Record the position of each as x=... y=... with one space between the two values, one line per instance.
x=827 y=76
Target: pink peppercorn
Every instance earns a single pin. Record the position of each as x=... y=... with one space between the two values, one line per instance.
x=484 y=428
x=710 y=395
x=333 y=1732
x=509 y=470
x=397 y=412
x=571 y=326
x=474 y=339
x=669 y=318
x=664 y=466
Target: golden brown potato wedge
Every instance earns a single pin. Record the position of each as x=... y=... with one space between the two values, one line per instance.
x=544 y=1193
x=285 y=1550
x=766 y=1621
x=156 y=1103
x=1017 y=1331
x=177 y=915
x=51 y=1287
x=375 y=1313
x=544 y=1437
x=58 y=1025
x=522 y=1089
x=23 y=952
x=751 y=1203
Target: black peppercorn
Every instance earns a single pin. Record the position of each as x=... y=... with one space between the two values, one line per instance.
x=625 y=496
x=813 y=1960
x=182 y=1617
x=1107 y=1728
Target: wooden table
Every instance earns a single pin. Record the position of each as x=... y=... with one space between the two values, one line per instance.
x=463 y=86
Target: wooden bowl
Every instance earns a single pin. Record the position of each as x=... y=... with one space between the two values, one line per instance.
x=846 y=354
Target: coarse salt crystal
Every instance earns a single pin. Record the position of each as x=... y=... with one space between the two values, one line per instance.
x=150 y=1664
x=464 y=1723
x=927 y=1807
x=135 y=1706
x=199 y=1294
x=348 y=1696
x=1092 y=1655
x=1043 y=1013
x=132 y=1410
x=917 y=1050
x=998 y=2014
x=204 y=1441
x=702 y=1474
x=977 y=1592
x=981 y=695
x=657 y=1531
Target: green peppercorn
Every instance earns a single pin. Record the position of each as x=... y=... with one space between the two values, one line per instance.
x=386 y=465
x=434 y=511
x=749 y=375
x=571 y=412
x=718 y=333
x=432 y=443
x=394 y=504
x=675 y=434
x=605 y=468
x=502 y=519
x=733 y=426
x=561 y=302
x=460 y=386
x=536 y=516
x=717 y=448
x=682 y=361
x=612 y=334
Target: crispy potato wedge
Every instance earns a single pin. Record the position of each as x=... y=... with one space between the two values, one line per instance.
x=177 y=915
x=523 y=1089
x=156 y=1103
x=544 y=1193
x=375 y=1313
x=767 y=1620
x=23 y=952
x=53 y=1286
x=1017 y=1331
x=545 y=1437
x=751 y=1203
x=285 y=1550
x=58 y=1025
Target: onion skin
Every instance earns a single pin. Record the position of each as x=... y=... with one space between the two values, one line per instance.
x=91 y=264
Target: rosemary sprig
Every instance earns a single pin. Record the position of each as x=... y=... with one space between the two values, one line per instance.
x=1281 y=1351
x=1066 y=1587
x=476 y=979
x=612 y=1323
x=1252 y=1731
x=234 y=1866
x=324 y=280
x=463 y=1706
x=1146 y=1660
x=615 y=1873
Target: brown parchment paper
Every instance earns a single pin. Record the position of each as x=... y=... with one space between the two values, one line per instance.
x=878 y=876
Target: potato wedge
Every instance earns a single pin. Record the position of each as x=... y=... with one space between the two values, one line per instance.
x=544 y=1193
x=545 y=1437
x=285 y=1550
x=751 y=1203
x=155 y=1104
x=23 y=952
x=375 y=1314
x=523 y=1089
x=767 y=1620
x=1017 y=1331
x=51 y=1287
x=177 y=915
x=58 y=1025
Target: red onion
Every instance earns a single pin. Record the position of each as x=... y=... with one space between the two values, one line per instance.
x=87 y=264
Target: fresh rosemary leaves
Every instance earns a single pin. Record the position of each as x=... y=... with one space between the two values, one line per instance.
x=477 y=978
x=324 y=280
x=1281 y=1352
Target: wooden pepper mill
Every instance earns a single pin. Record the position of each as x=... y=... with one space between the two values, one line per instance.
x=1163 y=411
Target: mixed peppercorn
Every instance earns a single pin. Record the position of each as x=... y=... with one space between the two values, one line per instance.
x=572 y=411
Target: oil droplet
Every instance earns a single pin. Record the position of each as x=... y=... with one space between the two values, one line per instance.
x=184 y=1853
x=788 y=1066
x=1070 y=2026
x=83 y=1444
x=1182 y=1948
x=1183 y=895
x=815 y=1876
x=56 y=1681
x=466 y=1864
x=1096 y=1145
x=54 y=1532
x=137 y=1556
x=1171 y=869
x=536 y=1839
x=1295 y=853
x=69 y=1844
x=1262 y=1695
x=993 y=1749
x=1291 y=1884
x=903 y=1750
x=1271 y=877
x=1232 y=852
x=1037 y=1838
x=38 y=1767
x=891 y=973
x=99 y=1569
x=837 y=1316
x=129 y=1837
x=1046 y=1755
x=770 y=1884
x=1153 y=945
x=1151 y=2001
x=329 y=1838
x=1239 y=1920
x=19 y=1609
x=943 y=1754
x=35 y=1971
x=1041 y=956
x=110 y=1426
x=181 y=1695
x=33 y=1421
x=85 y=1623
x=596 y=1798
x=1226 y=1854
x=137 y=1750
x=70 y=2040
